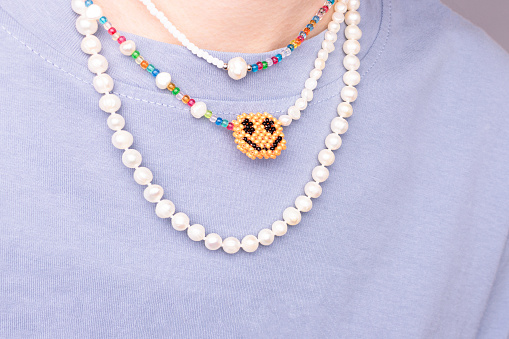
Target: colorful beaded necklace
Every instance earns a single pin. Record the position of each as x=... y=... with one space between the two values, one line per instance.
x=87 y=25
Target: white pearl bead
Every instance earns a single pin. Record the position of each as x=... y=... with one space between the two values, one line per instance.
x=291 y=216
x=311 y=83
x=94 y=12
x=294 y=113
x=131 y=158
x=163 y=79
x=165 y=209
x=351 y=62
x=315 y=73
x=353 y=5
x=333 y=141
x=338 y=17
x=279 y=228
x=334 y=27
x=353 y=32
x=127 y=47
x=153 y=193
x=196 y=232
x=301 y=104
x=213 y=241
x=319 y=64
x=250 y=243
x=351 y=78
x=320 y=174
x=110 y=103
x=340 y=7
x=352 y=17
x=103 y=83
x=285 y=120
x=86 y=26
x=198 y=109
x=97 y=63
x=180 y=221
x=351 y=47
x=143 y=176
x=307 y=94
x=328 y=46
x=331 y=36
x=303 y=203
x=323 y=54
x=349 y=93
x=116 y=122
x=326 y=157
x=266 y=237
x=122 y=139
x=90 y=44
x=345 y=110
x=237 y=68
x=78 y=6
x=313 y=189
x=231 y=245
x=339 y=125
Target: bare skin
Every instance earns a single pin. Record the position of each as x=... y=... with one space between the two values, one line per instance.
x=244 y=26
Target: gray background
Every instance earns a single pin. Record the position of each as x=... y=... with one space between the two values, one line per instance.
x=490 y=15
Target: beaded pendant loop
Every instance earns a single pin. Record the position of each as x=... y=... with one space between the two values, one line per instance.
x=259 y=135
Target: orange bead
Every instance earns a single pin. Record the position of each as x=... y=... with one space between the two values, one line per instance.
x=144 y=64
x=171 y=86
x=185 y=99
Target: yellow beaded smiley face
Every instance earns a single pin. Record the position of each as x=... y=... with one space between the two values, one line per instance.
x=259 y=135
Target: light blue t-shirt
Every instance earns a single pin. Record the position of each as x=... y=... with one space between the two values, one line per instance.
x=408 y=240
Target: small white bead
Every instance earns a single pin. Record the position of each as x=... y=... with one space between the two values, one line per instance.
x=291 y=216
x=315 y=74
x=122 y=139
x=116 y=122
x=110 y=103
x=328 y=46
x=323 y=54
x=306 y=94
x=90 y=44
x=345 y=110
x=94 y=12
x=213 y=241
x=320 y=174
x=127 y=47
x=198 y=109
x=301 y=104
x=196 y=232
x=340 y=7
x=285 y=120
x=153 y=193
x=115 y=36
x=351 y=62
x=97 y=63
x=331 y=36
x=352 y=78
x=339 y=125
x=86 y=26
x=163 y=79
x=351 y=47
x=107 y=26
x=160 y=16
x=349 y=93
x=266 y=237
x=250 y=243
x=353 y=32
x=334 y=27
x=352 y=17
x=165 y=209
x=103 y=83
x=338 y=17
x=237 y=68
x=313 y=189
x=319 y=64
x=78 y=6
x=180 y=221
x=131 y=158
x=279 y=228
x=326 y=157
x=294 y=113
x=333 y=141
x=143 y=176
x=353 y=5
x=311 y=83
x=303 y=203
x=231 y=245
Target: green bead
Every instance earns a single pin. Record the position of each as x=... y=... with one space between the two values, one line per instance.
x=265 y=65
x=208 y=114
x=224 y=123
x=135 y=54
x=176 y=91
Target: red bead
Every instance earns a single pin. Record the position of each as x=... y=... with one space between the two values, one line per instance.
x=275 y=60
x=191 y=102
x=121 y=39
x=260 y=65
x=112 y=30
x=325 y=8
x=230 y=125
x=300 y=38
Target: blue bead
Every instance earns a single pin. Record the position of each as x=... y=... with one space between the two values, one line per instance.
x=254 y=67
x=303 y=34
x=310 y=27
x=219 y=121
x=279 y=57
x=316 y=18
x=103 y=20
x=291 y=47
x=88 y=3
x=332 y=2
x=155 y=72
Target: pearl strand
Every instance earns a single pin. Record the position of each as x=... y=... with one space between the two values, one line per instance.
x=86 y=24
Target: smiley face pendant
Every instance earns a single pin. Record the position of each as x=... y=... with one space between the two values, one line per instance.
x=259 y=135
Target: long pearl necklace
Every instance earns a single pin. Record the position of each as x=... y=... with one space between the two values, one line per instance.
x=86 y=24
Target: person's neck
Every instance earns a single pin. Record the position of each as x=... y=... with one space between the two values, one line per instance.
x=243 y=26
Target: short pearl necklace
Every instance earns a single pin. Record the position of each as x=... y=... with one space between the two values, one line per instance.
x=86 y=24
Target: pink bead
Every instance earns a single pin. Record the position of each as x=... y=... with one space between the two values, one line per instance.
x=121 y=39
x=191 y=102
x=230 y=126
x=112 y=30
x=325 y=8
x=260 y=65
x=300 y=38
x=275 y=60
